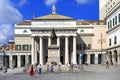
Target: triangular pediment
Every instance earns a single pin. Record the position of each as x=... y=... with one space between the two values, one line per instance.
x=53 y=17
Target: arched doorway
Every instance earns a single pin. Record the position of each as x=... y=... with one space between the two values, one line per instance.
x=115 y=56
x=110 y=56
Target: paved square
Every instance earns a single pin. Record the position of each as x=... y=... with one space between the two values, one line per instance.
x=92 y=72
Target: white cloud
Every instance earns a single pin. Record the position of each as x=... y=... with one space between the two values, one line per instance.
x=6 y=32
x=84 y=1
x=23 y=2
x=50 y=2
x=8 y=15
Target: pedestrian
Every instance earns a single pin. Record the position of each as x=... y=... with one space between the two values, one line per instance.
x=4 y=69
x=51 y=69
x=72 y=67
x=59 y=68
x=31 y=71
x=107 y=65
x=47 y=70
x=39 y=69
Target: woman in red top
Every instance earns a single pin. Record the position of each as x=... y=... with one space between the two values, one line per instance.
x=31 y=71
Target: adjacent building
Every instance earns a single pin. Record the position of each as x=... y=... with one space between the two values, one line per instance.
x=113 y=30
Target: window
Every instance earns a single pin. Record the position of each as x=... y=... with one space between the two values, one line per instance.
x=115 y=20
x=115 y=40
x=25 y=47
x=119 y=18
x=109 y=42
x=89 y=46
x=79 y=47
x=82 y=30
x=84 y=46
x=25 y=31
x=108 y=25
x=18 y=47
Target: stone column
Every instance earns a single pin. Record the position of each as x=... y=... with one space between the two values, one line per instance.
x=41 y=51
x=66 y=51
x=58 y=41
x=88 y=58
x=49 y=42
x=11 y=60
x=118 y=58
x=33 y=51
x=18 y=60
x=26 y=59
x=74 y=50
x=96 y=58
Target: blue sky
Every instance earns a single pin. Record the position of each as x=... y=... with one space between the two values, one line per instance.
x=14 y=11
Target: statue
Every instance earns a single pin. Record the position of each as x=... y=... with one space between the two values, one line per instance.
x=53 y=37
x=53 y=9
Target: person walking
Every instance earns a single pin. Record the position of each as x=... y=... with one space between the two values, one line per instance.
x=39 y=69
x=59 y=68
x=4 y=68
x=72 y=65
x=51 y=69
x=32 y=71
x=47 y=70
x=107 y=65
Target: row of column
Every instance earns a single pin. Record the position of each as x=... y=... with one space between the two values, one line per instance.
x=12 y=62
x=67 y=50
x=41 y=51
x=58 y=44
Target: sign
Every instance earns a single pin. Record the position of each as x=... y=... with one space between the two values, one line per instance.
x=81 y=56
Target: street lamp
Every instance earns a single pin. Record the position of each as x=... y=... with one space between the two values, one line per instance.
x=101 y=40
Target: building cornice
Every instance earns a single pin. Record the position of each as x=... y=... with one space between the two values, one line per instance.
x=113 y=10
x=113 y=47
x=22 y=35
x=86 y=34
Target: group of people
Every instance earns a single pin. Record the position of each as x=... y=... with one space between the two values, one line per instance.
x=34 y=69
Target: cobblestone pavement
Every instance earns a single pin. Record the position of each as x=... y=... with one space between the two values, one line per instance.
x=92 y=72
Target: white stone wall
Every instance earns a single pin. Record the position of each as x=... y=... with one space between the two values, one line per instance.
x=115 y=32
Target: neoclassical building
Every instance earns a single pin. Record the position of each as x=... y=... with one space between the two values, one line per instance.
x=76 y=41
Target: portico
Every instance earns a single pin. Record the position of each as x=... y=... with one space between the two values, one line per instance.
x=44 y=43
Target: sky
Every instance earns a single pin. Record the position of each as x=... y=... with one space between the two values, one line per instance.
x=15 y=11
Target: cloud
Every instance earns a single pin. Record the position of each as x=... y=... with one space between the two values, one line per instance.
x=23 y=2
x=8 y=16
x=83 y=1
x=50 y=2
x=6 y=32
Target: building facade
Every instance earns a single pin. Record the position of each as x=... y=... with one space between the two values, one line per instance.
x=77 y=41
x=113 y=32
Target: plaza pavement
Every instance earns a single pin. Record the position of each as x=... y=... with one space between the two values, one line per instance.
x=91 y=72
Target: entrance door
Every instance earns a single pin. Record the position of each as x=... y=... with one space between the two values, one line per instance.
x=99 y=58
x=92 y=58
x=84 y=58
